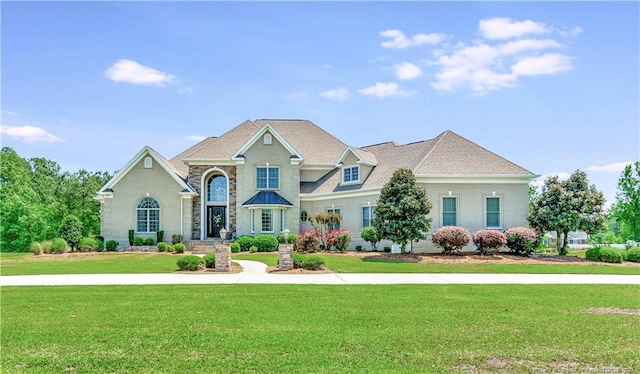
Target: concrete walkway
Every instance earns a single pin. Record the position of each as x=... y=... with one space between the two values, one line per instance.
x=255 y=273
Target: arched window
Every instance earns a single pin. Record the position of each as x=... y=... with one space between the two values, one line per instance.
x=217 y=188
x=148 y=214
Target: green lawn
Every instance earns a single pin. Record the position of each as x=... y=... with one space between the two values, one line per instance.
x=352 y=264
x=288 y=328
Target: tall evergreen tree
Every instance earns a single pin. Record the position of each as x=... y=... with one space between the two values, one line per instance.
x=627 y=207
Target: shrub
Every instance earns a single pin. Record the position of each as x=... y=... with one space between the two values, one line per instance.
x=138 y=241
x=341 y=239
x=210 y=260
x=235 y=248
x=451 y=238
x=245 y=242
x=253 y=249
x=190 y=263
x=370 y=234
x=171 y=248
x=149 y=241
x=358 y=248
x=307 y=262
x=266 y=243
x=71 y=230
x=46 y=246
x=290 y=239
x=387 y=249
x=89 y=245
x=612 y=255
x=36 y=248
x=633 y=254
x=159 y=236
x=179 y=248
x=111 y=246
x=521 y=240
x=162 y=246
x=489 y=240
x=176 y=238
x=307 y=241
x=59 y=246
x=593 y=254
x=131 y=232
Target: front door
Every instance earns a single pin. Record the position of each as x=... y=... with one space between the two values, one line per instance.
x=215 y=220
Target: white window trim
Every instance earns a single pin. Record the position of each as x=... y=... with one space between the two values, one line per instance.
x=148 y=209
x=148 y=162
x=372 y=214
x=343 y=182
x=333 y=210
x=485 y=212
x=267 y=188
x=442 y=197
x=272 y=223
x=252 y=221
x=267 y=139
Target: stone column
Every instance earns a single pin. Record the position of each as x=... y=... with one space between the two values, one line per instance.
x=223 y=258
x=285 y=261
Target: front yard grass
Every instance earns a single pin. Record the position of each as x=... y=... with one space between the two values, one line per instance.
x=291 y=328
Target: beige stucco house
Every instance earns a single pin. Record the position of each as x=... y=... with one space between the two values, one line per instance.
x=265 y=176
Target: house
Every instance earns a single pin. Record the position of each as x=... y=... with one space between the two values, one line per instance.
x=265 y=176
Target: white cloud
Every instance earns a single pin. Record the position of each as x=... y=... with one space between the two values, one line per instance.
x=505 y=28
x=399 y=40
x=407 y=71
x=327 y=66
x=30 y=134
x=185 y=91
x=550 y=63
x=614 y=168
x=571 y=33
x=195 y=138
x=382 y=90
x=132 y=72
x=339 y=93
x=9 y=113
x=539 y=182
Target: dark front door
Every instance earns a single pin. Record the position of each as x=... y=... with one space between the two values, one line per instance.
x=215 y=220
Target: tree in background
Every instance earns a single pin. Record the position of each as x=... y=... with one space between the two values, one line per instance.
x=564 y=206
x=401 y=214
x=626 y=210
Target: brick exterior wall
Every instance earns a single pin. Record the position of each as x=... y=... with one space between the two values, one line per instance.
x=195 y=179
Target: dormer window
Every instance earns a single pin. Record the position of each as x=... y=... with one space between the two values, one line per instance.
x=266 y=139
x=351 y=174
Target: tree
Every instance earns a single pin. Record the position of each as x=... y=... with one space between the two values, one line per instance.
x=370 y=234
x=626 y=210
x=564 y=206
x=71 y=230
x=401 y=214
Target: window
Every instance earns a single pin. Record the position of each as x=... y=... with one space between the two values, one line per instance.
x=253 y=220
x=267 y=178
x=304 y=216
x=217 y=188
x=267 y=220
x=368 y=215
x=493 y=212
x=449 y=211
x=281 y=220
x=351 y=174
x=148 y=162
x=148 y=215
x=266 y=139
x=335 y=226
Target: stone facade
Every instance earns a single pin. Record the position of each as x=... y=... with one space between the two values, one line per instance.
x=223 y=258
x=195 y=179
x=285 y=258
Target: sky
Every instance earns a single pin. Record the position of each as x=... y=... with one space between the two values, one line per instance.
x=551 y=86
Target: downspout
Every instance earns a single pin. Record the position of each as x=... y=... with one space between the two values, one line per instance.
x=182 y=217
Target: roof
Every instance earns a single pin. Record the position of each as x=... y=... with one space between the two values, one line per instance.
x=267 y=198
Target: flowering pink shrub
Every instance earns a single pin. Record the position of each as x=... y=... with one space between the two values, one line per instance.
x=521 y=240
x=340 y=239
x=451 y=238
x=489 y=240
x=307 y=241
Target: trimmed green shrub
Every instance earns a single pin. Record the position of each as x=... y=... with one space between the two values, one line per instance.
x=71 y=230
x=170 y=248
x=386 y=249
x=111 y=246
x=253 y=249
x=179 y=248
x=592 y=254
x=611 y=255
x=190 y=263
x=451 y=238
x=633 y=254
x=307 y=262
x=210 y=260
x=235 y=248
x=176 y=238
x=131 y=238
x=159 y=236
x=488 y=241
x=59 y=246
x=245 y=242
x=370 y=234
x=46 y=246
x=358 y=248
x=521 y=240
x=36 y=248
x=290 y=239
x=266 y=243
x=149 y=241
x=138 y=241
x=162 y=246
x=89 y=245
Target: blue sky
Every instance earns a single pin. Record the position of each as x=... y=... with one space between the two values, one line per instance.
x=553 y=87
